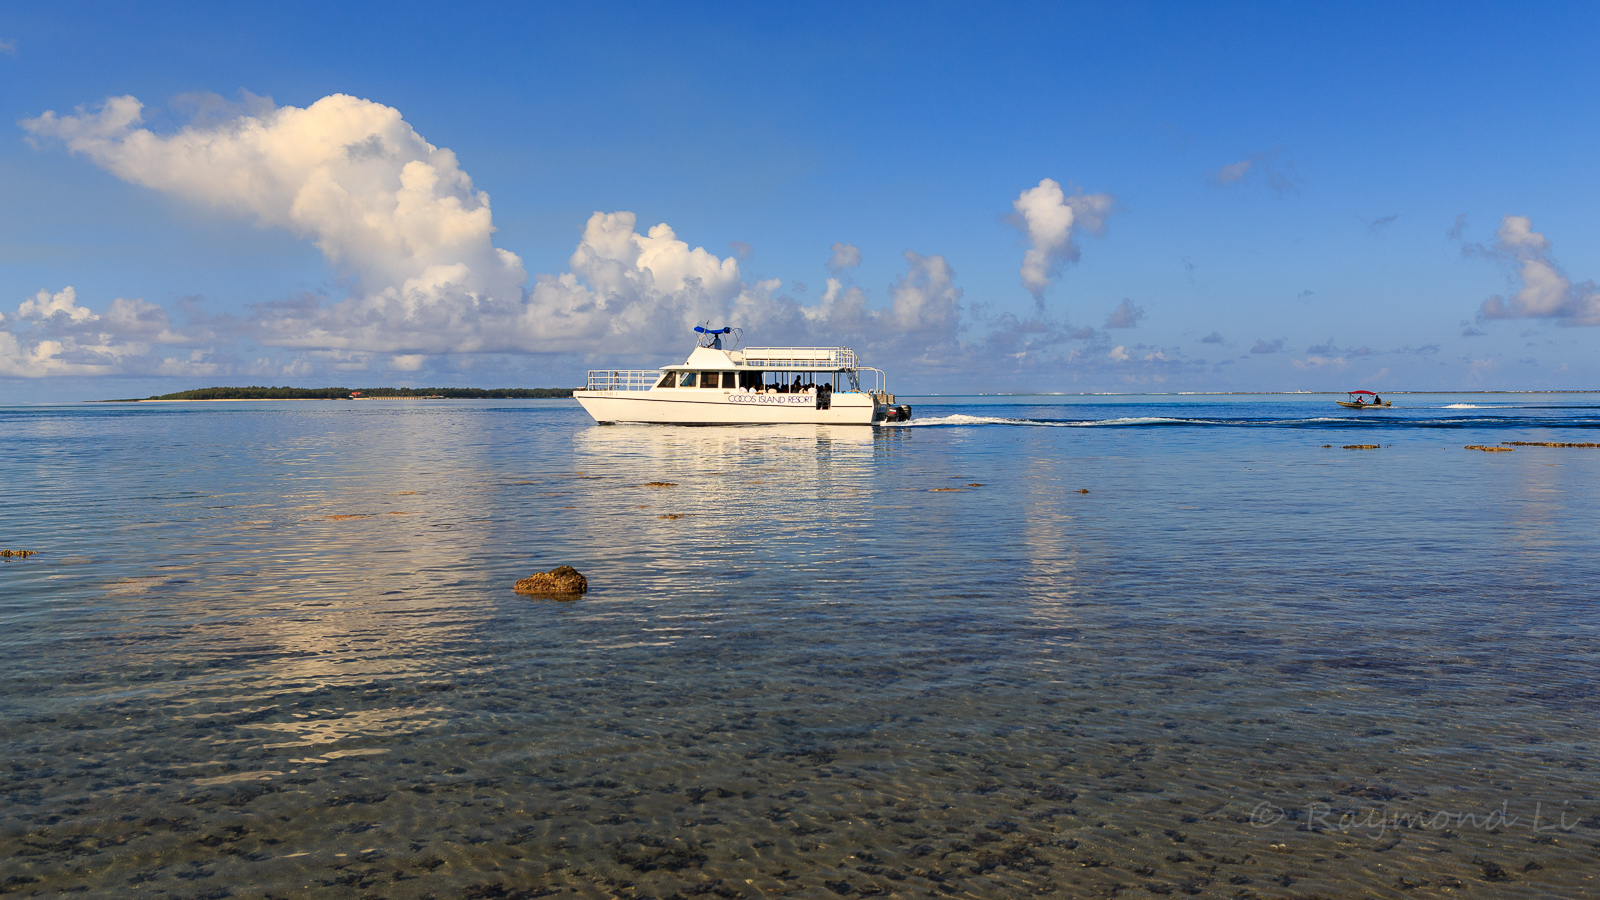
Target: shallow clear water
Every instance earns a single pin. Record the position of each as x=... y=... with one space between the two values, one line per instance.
x=272 y=649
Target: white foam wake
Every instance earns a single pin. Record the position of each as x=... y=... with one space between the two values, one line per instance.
x=959 y=419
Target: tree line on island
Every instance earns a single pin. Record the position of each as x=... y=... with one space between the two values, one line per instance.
x=255 y=392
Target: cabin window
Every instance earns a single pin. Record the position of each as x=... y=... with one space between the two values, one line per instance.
x=730 y=380
x=686 y=379
x=669 y=380
x=709 y=379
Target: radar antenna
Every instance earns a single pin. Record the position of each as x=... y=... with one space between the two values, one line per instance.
x=711 y=337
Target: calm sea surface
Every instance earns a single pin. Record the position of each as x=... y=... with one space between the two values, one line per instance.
x=271 y=649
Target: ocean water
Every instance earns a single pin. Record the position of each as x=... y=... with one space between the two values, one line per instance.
x=1052 y=647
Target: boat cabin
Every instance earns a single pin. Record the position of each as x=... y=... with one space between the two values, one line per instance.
x=768 y=370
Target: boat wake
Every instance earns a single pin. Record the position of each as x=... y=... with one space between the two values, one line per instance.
x=959 y=419
x=1367 y=423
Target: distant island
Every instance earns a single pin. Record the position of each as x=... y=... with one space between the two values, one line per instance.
x=255 y=392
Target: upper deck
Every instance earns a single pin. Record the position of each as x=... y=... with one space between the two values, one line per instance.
x=836 y=364
x=821 y=359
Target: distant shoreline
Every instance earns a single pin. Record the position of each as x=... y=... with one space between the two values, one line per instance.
x=260 y=392
x=306 y=399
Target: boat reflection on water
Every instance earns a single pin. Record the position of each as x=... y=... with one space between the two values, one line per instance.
x=749 y=481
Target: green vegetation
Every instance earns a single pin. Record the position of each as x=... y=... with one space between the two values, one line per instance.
x=340 y=393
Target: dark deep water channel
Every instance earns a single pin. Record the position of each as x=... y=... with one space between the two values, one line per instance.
x=271 y=649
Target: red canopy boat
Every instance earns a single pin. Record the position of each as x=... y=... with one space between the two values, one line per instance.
x=1358 y=400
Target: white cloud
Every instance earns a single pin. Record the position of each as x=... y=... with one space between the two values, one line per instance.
x=1048 y=217
x=1234 y=171
x=396 y=216
x=924 y=308
x=1263 y=345
x=1320 y=362
x=51 y=334
x=845 y=256
x=9 y=46
x=1119 y=353
x=1263 y=164
x=197 y=363
x=1126 y=315
x=45 y=305
x=1546 y=292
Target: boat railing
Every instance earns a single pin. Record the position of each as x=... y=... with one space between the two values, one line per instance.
x=869 y=380
x=622 y=379
x=792 y=358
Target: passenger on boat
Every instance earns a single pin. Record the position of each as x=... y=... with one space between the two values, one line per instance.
x=795 y=388
x=1376 y=400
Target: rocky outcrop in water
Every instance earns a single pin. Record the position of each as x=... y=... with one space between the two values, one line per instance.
x=560 y=581
x=1489 y=449
x=22 y=553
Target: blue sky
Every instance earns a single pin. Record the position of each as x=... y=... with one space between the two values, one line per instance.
x=1336 y=196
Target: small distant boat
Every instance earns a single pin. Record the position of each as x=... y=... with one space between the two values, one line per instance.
x=1358 y=400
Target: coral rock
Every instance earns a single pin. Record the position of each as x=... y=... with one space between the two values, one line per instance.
x=562 y=580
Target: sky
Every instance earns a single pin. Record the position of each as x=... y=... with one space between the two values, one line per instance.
x=977 y=198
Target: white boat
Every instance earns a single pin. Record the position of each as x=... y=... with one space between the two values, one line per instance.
x=753 y=386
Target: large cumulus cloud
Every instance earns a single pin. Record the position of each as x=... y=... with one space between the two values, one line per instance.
x=1049 y=217
x=1546 y=291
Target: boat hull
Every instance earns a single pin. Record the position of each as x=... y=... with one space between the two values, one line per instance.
x=688 y=406
x=1348 y=405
